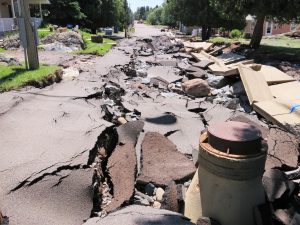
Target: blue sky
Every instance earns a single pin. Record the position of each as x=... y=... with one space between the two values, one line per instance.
x=138 y=3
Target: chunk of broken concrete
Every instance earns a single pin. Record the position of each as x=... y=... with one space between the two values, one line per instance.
x=195 y=75
x=162 y=163
x=203 y=64
x=217 y=81
x=196 y=88
x=130 y=131
x=207 y=221
x=137 y=215
x=283 y=149
x=167 y=73
x=122 y=166
x=276 y=185
x=170 y=199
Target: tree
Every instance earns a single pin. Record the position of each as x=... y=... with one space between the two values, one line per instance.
x=203 y=13
x=155 y=16
x=99 y=13
x=168 y=17
x=280 y=11
x=69 y=12
x=142 y=13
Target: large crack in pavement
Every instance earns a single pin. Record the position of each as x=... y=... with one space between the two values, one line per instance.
x=121 y=133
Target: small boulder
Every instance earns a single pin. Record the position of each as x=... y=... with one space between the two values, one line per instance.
x=150 y=189
x=196 y=88
x=217 y=81
x=159 y=194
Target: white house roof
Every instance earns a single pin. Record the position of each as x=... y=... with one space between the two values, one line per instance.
x=39 y=2
x=250 y=18
x=30 y=1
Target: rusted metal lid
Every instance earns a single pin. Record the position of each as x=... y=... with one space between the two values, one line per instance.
x=235 y=138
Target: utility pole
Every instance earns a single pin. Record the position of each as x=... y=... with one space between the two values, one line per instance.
x=31 y=48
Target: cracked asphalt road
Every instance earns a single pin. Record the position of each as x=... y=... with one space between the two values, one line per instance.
x=45 y=137
x=49 y=138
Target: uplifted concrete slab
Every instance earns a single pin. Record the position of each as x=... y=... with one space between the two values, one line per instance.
x=171 y=118
x=165 y=72
x=122 y=167
x=137 y=215
x=162 y=163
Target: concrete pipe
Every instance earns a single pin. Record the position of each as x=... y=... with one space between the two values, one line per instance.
x=232 y=158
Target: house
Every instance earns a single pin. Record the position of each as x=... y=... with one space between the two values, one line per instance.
x=270 y=27
x=9 y=9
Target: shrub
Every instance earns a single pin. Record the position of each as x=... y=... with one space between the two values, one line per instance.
x=236 y=33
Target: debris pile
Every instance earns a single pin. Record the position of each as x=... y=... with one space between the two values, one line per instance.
x=11 y=43
x=63 y=42
x=4 y=61
x=159 y=103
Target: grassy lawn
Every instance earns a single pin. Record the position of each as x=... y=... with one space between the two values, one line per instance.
x=277 y=47
x=12 y=77
x=95 y=48
x=2 y=50
x=220 y=40
x=42 y=33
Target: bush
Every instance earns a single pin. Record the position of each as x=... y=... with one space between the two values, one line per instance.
x=236 y=33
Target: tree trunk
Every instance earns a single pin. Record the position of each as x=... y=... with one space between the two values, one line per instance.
x=126 y=31
x=94 y=30
x=258 y=32
x=208 y=33
x=204 y=33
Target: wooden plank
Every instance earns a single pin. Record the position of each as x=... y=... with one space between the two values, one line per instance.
x=255 y=85
x=286 y=91
x=278 y=112
x=228 y=70
x=272 y=75
x=206 y=46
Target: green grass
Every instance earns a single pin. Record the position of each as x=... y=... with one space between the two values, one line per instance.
x=219 y=40
x=12 y=77
x=281 y=41
x=42 y=33
x=276 y=47
x=95 y=48
x=2 y=50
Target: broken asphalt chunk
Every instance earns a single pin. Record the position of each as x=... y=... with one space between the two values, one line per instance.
x=137 y=215
x=122 y=166
x=276 y=185
x=162 y=163
x=129 y=132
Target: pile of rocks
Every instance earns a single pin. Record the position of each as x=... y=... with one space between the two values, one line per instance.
x=11 y=43
x=4 y=61
x=154 y=101
x=63 y=42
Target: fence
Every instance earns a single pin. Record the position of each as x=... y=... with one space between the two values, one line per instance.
x=8 y=24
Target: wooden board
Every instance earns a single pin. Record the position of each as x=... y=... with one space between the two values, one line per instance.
x=278 y=112
x=221 y=69
x=286 y=91
x=206 y=46
x=255 y=85
x=273 y=75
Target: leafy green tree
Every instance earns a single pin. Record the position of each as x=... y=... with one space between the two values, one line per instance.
x=155 y=16
x=280 y=11
x=168 y=15
x=142 y=13
x=69 y=12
